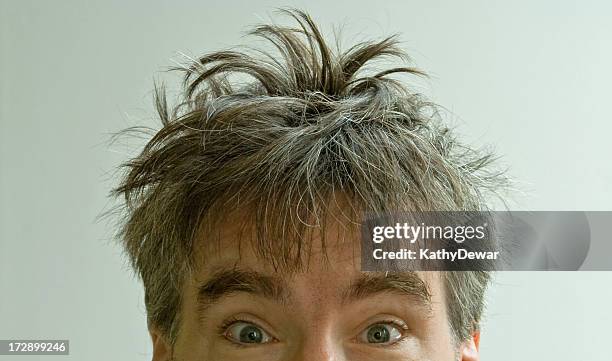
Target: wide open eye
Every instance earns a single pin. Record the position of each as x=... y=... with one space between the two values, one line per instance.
x=381 y=333
x=247 y=333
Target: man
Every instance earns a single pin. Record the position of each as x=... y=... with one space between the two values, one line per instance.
x=243 y=211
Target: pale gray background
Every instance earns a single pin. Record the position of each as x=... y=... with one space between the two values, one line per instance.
x=532 y=78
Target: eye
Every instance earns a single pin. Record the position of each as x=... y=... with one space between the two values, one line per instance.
x=381 y=334
x=247 y=333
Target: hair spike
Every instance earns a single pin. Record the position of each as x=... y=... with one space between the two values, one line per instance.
x=312 y=125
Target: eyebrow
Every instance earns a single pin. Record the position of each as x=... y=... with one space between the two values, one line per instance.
x=225 y=282
x=401 y=283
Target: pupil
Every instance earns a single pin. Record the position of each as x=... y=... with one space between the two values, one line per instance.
x=250 y=334
x=378 y=334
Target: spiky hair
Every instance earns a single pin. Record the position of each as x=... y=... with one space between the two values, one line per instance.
x=310 y=124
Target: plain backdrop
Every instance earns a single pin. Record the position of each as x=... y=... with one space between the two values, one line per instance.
x=531 y=78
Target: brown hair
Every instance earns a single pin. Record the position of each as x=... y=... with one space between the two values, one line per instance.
x=313 y=122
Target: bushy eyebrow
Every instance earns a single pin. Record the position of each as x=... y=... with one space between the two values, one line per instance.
x=225 y=282
x=228 y=281
x=402 y=283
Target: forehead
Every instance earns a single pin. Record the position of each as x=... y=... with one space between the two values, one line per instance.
x=329 y=257
x=238 y=238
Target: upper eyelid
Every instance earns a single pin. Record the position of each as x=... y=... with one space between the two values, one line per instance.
x=403 y=331
x=385 y=319
x=225 y=325
x=401 y=325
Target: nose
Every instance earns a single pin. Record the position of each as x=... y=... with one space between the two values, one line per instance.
x=320 y=349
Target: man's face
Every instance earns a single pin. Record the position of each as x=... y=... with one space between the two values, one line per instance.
x=237 y=307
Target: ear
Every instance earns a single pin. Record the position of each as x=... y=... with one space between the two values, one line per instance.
x=161 y=347
x=469 y=348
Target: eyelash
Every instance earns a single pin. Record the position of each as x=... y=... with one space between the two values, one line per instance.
x=403 y=327
x=230 y=321
x=400 y=325
x=227 y=323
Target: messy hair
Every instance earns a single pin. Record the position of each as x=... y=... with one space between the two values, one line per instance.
x=281 y=132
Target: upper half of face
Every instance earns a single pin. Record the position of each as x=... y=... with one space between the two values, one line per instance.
x=237 y=306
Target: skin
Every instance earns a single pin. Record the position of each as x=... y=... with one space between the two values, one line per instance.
x=313 y=314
